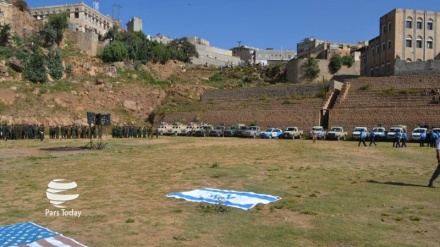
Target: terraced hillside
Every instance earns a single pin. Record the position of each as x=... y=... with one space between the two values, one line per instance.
x=388 y=101
x=280 y=106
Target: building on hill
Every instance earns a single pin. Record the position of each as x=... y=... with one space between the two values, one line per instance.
x=405 y=34
x=322 y=49
x=134 y=25
x=253 y=56
x=209 y=55
x=160 y=38
x=82 y=18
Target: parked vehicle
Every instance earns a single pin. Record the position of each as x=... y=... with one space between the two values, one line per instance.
x=320 y=132
x=292 y=133
x=163 y=128
x=241 y=130
x=271 y=133
x=217 y=131
x=380 y=133
x=415 y=135
x=357 y=133
x=232 y=130
x=203 y=130
x=252 y=131
x=336 y=133
x=189 y=130
x=176 y=129
x=393 y=129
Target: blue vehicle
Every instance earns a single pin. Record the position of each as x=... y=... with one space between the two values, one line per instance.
x=271 y=133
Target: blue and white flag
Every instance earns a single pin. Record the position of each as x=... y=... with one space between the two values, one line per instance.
x=32 y=235
x=231 y=198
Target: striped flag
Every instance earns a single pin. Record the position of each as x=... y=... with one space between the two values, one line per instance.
x=29 y=234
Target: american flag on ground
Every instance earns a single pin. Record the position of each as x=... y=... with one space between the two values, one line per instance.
x=32 y=235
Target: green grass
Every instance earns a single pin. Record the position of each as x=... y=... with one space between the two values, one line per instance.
x=333 y=193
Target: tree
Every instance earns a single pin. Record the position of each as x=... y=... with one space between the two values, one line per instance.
x=347 y=60
x=55 y=64
x=185 y=49
x=116 y=51
x=5 y=32
x=55 y=27
x=335 y=63
x=112 y=34
x=311 y=68
x=21 y=5
x=35 y=68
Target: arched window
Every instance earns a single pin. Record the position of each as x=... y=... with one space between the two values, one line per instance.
x=419 y=24
x=419 y=42
x=430 y=24
x=389 y=44
x=419 y=60
x=389 y=26
x=429 y=43
x=408 y=41
x=408 y=60
x=409 y=22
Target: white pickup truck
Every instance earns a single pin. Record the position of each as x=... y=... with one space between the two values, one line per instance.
x=357 y=132
x=393 y=129
x=292 y=133
x=336 y=133
x=320 y=132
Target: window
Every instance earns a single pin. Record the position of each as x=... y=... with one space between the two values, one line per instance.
x=429 y=43
x=389 y=26
x=409 y=22
x=389 y=66
x=371 y=72
x=383 y=29
x=430 y=25
x=419 y=60
x=383 y=47
x=377 y=50
x=389 y=44
x=419 y=42
x=372 y=51
x=408 y=60
x=408 y=41
x=419 y=23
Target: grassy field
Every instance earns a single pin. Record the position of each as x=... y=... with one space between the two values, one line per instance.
x=333 y=193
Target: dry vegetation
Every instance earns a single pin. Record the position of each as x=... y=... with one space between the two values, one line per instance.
x=334 y=193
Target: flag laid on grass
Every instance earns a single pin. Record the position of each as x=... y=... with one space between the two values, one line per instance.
x=236 y=199
x=32 y=235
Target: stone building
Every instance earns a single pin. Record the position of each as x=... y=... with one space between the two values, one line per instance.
x=134 y=25
x=321 y=49
x=407 y=34
x=253 y=56
x=82 y=18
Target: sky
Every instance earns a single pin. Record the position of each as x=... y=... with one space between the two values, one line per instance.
x=277 y=24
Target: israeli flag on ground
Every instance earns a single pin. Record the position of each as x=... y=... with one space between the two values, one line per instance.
x=231 y=198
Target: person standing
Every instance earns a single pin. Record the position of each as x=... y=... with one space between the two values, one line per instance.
x=403 y=139
x=437 y=171
x=362 y=137
x=372 y=138
x=314 y=135
x=422 y=139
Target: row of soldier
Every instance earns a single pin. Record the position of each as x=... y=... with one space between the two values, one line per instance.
x=21 y=131
x=134 y=132
x=73 y=132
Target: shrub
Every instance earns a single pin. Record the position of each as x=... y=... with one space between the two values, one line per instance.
x=335 y=63
x=347 y=60
x=311 y=69
x=35 y=68
x=21 y=5
x=55 y=64
x=116 y=51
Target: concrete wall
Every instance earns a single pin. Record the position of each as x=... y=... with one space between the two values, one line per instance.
x=295 y=73
x=416 y=68
x=87 y=42
x=214 y=56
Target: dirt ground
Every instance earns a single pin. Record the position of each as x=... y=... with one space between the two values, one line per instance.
x=333 y=193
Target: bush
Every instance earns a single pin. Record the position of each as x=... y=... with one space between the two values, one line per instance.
x=335 y=63
x=347 y=60
x=21 y=5
x=55 y=64
x=311 y=69
x=35 y=68
x=116 y=51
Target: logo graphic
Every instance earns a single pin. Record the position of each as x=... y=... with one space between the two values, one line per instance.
x=55 y=191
